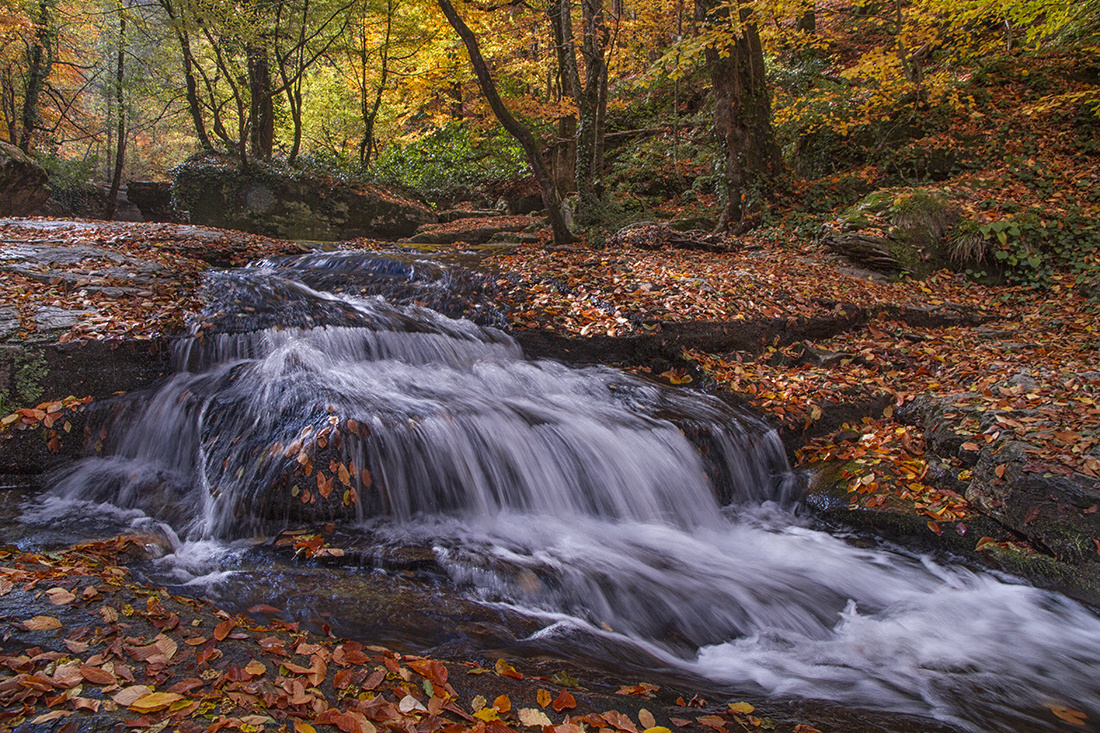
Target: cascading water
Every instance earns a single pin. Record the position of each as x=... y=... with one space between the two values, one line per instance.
x=604 y=505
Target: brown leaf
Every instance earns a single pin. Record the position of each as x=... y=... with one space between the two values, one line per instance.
x=129 y=695
x=97 y=675
x=619 y=721
x=41 y=623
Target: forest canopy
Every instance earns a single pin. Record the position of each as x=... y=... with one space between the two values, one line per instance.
x=727 y=100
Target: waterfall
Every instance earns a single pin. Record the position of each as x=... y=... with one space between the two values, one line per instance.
x=322 y=387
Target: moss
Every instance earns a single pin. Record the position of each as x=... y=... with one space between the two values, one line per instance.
x=29 y=376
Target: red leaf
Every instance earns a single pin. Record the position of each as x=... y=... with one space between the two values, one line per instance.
x=565 y=701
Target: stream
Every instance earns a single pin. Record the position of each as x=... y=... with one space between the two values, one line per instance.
x=582 y=513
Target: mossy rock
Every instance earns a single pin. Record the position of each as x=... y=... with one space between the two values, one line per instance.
x=289 y=205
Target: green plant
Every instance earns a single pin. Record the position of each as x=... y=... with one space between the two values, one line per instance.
x=967 y=246
x=452 y=162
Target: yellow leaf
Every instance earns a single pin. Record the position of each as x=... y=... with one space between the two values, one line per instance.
x=543 y=698
x=303 y=727
x=741 y=708
x=153 y=702
x=657 y=729
x=487 y=714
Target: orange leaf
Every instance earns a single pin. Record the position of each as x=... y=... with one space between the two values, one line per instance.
x=935 y=527
x=1000 y=471
x=222 y=630
x=430 y=669
x=1073 y=717
x=543 y=698
x=565 y=701
x=970 y=446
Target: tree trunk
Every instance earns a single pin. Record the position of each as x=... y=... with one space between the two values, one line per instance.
x=40 y=63
x=523 y=136
x=261 y=104
x=742 y=112
x=120 y=100
x=589 y=96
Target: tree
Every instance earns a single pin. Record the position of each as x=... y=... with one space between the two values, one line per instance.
x=40 y=57
x=516 y=129
x=742 y=105
x=590 y=95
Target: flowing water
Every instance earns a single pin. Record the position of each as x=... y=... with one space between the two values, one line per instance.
x=611 y=513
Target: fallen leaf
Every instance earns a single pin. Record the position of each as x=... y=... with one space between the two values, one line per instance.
x=646 y=719
x=506 y=670
x=129 y=695
x=741 y=708
x=503 y=704
x=153 y=702
x=712 y=721
x=41 y=623
x=533 y=717
x=60 y=596
x=564 y=701
x=1073 y=717
x=222 y=630
x=543 y=698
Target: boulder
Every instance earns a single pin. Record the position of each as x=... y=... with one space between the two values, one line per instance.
x=153 y=199
x=23 y=182
x=292 y=205
x=473 y=230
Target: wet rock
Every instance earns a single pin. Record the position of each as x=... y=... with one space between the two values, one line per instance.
x=1055 y=509
x=292 y=205
x=23 y=182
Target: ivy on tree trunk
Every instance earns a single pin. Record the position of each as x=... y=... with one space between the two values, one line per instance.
x=742 y=109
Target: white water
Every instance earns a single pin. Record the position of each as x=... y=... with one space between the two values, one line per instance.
x=576 y=495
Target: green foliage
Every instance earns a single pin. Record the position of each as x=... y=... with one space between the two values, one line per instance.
x=29 y=372
x=66 y=173
x=451 y=163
